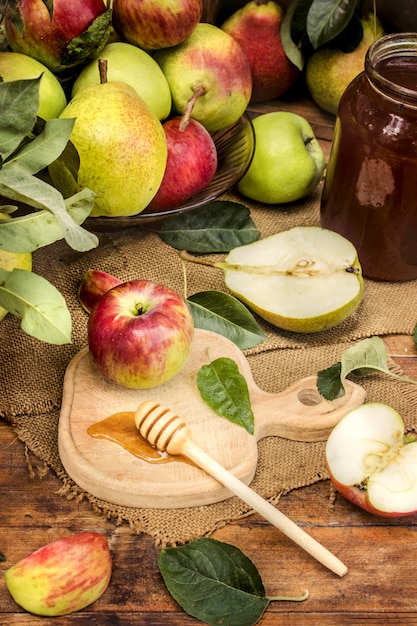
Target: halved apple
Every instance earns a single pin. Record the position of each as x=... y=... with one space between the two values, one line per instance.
x=372 y=462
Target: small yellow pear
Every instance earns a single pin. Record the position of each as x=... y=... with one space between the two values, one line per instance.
x=329 y=71
x=11 y=260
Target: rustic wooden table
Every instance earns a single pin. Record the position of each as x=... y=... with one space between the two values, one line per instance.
x=380 y=553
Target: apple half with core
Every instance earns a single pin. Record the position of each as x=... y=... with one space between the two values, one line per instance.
x=140 y=334
x=372 y=462
x=305 y=279
x=288 y=162
x=63 y=576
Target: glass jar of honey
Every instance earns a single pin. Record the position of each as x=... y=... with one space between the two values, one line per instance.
x=370 y=189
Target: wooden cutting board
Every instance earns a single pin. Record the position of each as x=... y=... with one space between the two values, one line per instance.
x=108 y=471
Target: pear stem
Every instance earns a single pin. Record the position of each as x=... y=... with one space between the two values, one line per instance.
x=197 y=93
x=102 y=68
x=185 y=256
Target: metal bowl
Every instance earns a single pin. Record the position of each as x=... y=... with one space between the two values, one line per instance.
x=235 y=146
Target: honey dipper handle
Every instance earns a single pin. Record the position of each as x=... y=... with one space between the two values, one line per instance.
x=259 y=504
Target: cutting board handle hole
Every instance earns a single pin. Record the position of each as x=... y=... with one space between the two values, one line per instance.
x=309 y=397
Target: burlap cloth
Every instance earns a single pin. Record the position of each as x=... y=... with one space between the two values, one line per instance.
x=32 y=372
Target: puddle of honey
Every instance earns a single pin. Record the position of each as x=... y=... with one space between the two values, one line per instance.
x=121 y=429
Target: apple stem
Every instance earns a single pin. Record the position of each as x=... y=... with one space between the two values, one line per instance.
x=102 y=68
x=197 y=93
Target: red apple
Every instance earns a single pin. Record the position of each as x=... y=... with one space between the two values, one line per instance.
x=63 y=576
x=371 y=461
x=152 y=24
x=95 y=284
x=191 y=164
x=140 y=334
x=257 y=28
x=75 y=31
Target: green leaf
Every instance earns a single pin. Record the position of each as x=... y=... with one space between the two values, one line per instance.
x=64 y=170
x=34 y=230
x=2 y=557
x=225 y=390
x=415 y=334
x=225 y=315
x=329 y=383
x=217 y=226
x=362 y=358
x=45 y=148
x=17 y=185
x=291 y=49
x=19 y=104
x=90 y=42
x=42 y=308
x=214 y=582
x=327 y=18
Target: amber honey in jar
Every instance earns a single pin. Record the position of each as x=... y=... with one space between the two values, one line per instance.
x=370 y=190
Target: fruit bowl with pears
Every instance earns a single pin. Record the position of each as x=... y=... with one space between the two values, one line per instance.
x=234 y=148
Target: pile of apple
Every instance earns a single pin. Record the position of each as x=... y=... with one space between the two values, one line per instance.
x=148 y=85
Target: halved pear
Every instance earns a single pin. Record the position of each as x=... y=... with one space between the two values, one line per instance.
x=305 y=279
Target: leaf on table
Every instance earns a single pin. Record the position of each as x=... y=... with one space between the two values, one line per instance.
x=218 y=226
x=225 y=315
x=225 y=390
x=37 y=154
x=214 y=582
x=17 y=185
x=19 y=104
x=364 y=357
x=29 y=232
x=39 y=304
x=327 y=18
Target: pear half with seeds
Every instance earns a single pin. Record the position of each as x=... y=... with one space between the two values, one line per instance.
x=304 y=280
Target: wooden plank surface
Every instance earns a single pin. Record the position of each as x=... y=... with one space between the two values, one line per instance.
x=379 y=588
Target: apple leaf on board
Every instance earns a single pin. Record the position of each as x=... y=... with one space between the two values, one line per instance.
x=216 y=583
x=42 y=308
x=225 y=390
x=362 y=358
x=225 y=315
x=217 y=226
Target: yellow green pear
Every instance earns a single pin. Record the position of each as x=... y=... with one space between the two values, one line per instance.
x=13 y=260
x=121 y=146
x=329 y=71
x=129 y=64
x=17 y=66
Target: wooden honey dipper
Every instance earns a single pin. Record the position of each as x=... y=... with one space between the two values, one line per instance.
x=165 y=430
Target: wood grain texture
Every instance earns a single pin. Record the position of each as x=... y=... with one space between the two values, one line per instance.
x=108 y=471
x=378 y=590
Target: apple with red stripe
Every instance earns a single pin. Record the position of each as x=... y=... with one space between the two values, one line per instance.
x=140 y=334
x=372 y=462
x=63 y=576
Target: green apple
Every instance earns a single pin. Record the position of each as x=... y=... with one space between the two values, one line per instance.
x=329 y=71
x=288 y=161
x=11 y=260
x=129 y=64
x=17 y=66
